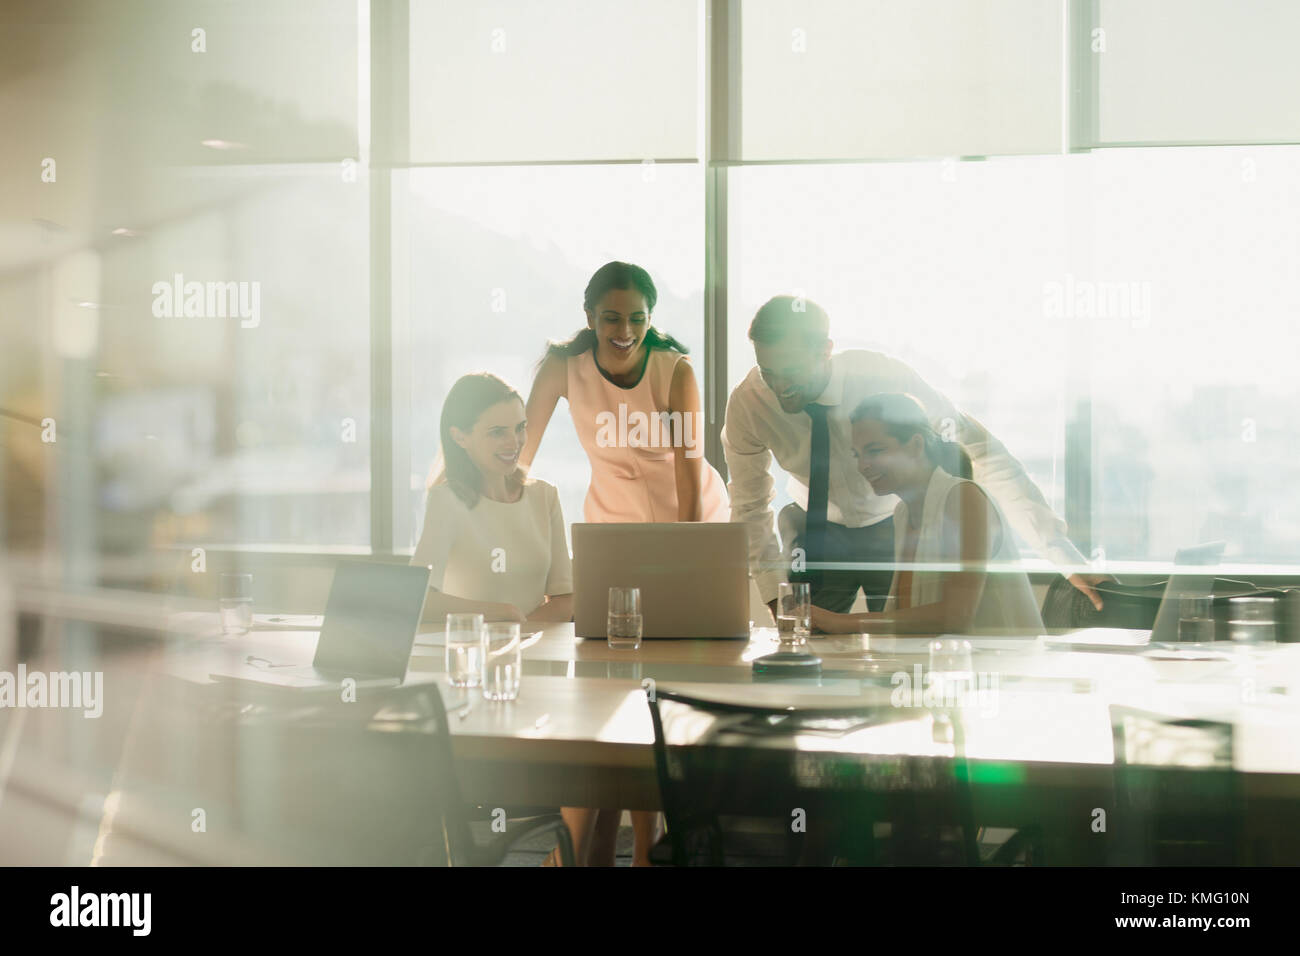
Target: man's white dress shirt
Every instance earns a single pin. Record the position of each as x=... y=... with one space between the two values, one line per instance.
x=757 y=430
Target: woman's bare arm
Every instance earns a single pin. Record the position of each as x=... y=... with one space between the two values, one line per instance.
x=548 y=388
x=688 y=463
x=439 y=604
x=556 y=608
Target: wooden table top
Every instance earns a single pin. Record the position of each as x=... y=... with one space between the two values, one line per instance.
x=582 y=702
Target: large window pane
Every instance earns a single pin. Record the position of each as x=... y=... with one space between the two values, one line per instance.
x=248 y=425
x=1199 y=71
x=1194 y=438
x=511 y=81
x=1023 y=287
x=939 y=264
x=496 y=263
x=848 y=79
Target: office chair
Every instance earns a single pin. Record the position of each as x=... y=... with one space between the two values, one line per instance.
x=1177 y=798
x=1124 y=605
x=290 y=777
x=1136 y=606
x=742 y=785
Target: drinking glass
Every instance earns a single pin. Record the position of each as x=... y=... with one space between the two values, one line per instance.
x=1251 y=620
x=502 y=661
x=464 y=650
x=1195 y=619
x=950 y=665
x=623 y=628
x=793 y=612
x=236 y=603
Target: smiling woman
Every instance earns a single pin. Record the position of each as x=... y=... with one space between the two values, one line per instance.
x=493 y=539
x=620 y=368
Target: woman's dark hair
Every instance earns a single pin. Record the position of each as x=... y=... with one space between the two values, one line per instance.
x=466 y=401
x=615 y=275
x=904 y=417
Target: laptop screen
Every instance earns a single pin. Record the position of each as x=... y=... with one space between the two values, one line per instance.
x=371 y=619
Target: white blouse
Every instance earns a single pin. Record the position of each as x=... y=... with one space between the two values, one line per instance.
x=1007 y=605
x=502 y=552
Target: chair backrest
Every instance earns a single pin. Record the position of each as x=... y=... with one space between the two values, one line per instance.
x=1127 y=606
x=290 y=777
x=741 y=783
x=1177 y=796
x=1136 y=606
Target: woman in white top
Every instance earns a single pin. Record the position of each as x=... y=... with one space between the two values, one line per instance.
x=493 y=539
x=956 y=565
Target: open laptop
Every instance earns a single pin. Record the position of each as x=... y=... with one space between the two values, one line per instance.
x=371 y=618
x=693 y=576
x=1165 y=630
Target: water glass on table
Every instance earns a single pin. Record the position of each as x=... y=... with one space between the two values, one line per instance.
x=623 y=626
x=502 y=661
x=1252 y=620
x=236 y=603
x=464 y=650
x=951 y=668
x=793 y=612
x=1195 y=619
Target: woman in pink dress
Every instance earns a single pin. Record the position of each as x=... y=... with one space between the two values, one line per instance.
x=636 y=408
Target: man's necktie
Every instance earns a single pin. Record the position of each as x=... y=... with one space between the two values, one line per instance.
x=819 y=474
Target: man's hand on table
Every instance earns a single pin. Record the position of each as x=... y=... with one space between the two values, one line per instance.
x=1087 y=584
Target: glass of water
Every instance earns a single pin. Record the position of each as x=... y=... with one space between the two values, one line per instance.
x=1195 y=619
x=502 y=661
x=793 y=612
x=464 y=650
x=950 y=666
x=1252 y=620
x=236 y=603
x=624 y=623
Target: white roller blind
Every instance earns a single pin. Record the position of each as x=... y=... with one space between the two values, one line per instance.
x=545 y=81
x=266 y=80
x=1199 y=71
x=863 y=79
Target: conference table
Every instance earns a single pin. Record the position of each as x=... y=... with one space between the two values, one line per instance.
x=1040 y=746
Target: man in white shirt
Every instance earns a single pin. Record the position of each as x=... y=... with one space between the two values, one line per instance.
x=795 y=405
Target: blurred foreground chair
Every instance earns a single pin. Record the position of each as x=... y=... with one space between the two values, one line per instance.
x=286 y=776
x=742 y=785
x=1177 y=796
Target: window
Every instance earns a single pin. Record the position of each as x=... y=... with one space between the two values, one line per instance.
x=241 y=416
x=940 y=264
x=1197 y=71
x=496 y=261
x=848 y=79
x=586 y=80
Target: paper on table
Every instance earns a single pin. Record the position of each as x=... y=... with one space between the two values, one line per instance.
x=921 y=645
x=285 y=622
x=439 y=639
x=1105 y=638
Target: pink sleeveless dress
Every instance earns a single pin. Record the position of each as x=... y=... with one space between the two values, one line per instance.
x=630 y=447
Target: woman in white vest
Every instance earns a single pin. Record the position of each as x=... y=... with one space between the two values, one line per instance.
x=956 y=566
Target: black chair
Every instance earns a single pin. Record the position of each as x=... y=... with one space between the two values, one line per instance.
x=1127 y=606
x=741 y=786
x=297 y=777
x=1136 y=606
x=1177 y=798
